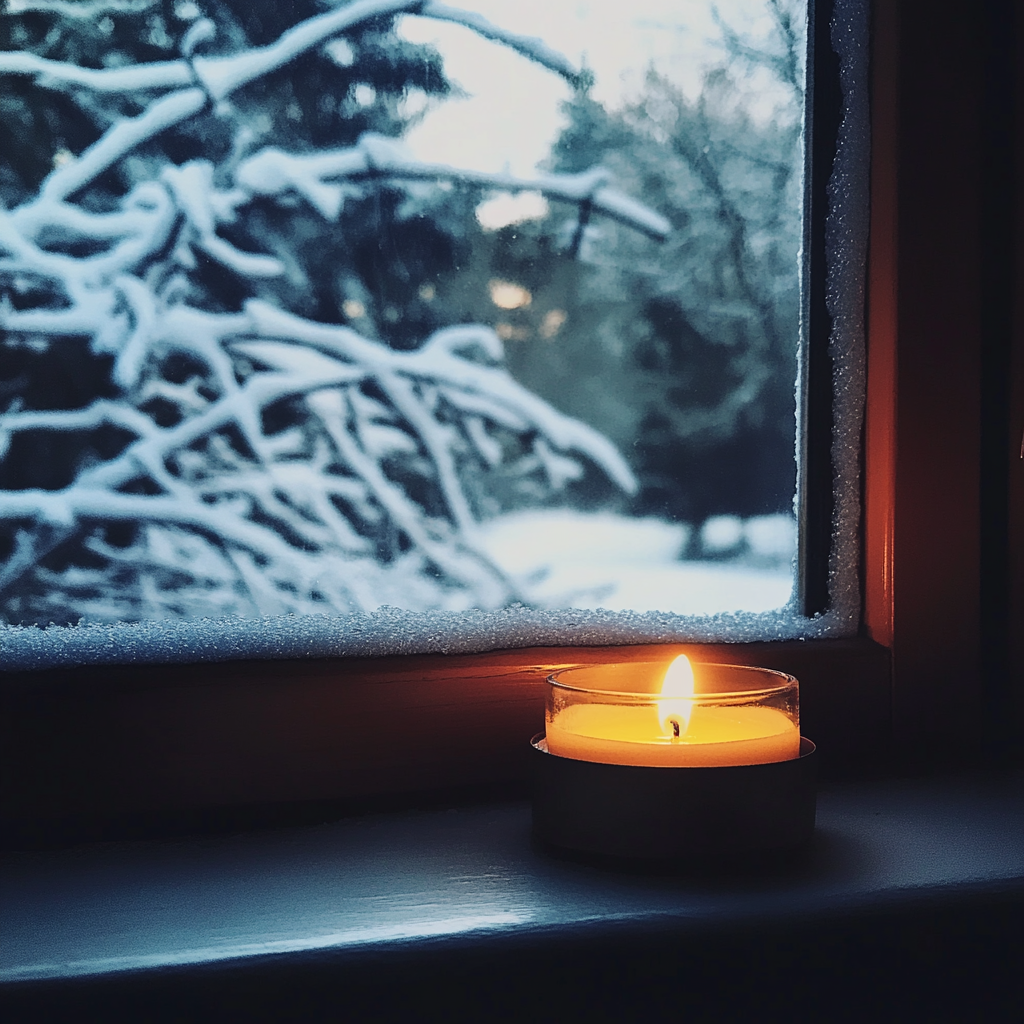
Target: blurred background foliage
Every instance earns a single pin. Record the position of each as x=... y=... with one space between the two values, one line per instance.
x=682 y=352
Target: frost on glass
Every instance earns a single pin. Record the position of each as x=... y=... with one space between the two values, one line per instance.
x=326 y=307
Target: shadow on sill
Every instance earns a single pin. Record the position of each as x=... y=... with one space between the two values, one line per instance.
x=55 y=833
x=61 y=833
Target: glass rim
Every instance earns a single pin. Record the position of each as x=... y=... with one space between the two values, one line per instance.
x=786 y=681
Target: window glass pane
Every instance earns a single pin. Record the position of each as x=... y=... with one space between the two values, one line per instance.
x=321 y=307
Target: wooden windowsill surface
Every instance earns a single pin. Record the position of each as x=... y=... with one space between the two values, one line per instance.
x=380 y=915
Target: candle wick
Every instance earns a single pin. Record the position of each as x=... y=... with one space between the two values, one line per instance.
x=675 y=727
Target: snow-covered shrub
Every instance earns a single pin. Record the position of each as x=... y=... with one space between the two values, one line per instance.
x=219 y=395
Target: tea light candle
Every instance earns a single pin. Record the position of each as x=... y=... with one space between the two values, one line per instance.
x=681 y=725
x=656 y=761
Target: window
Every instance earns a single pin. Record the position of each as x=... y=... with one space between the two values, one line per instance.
x=254 y=254
x=259 y=731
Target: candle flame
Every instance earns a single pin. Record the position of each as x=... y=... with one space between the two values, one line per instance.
x=679 y=687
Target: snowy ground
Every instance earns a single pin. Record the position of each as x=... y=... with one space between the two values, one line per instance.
x=573 y=559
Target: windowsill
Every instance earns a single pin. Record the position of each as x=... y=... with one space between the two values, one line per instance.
x=103 y=743
x=410 y=899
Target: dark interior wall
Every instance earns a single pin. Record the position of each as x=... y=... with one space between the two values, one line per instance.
x=1001 y=423
x=956 y=126
x=941 y=171
x=1009 y=700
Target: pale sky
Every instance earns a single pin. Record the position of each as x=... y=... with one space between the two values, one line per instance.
x=512 y=115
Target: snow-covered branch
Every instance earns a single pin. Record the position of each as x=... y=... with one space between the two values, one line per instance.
x=295 y=462
x=80 y=10
x=529 y=46
x=220 y=77
x=223 y=75
x=100 y=412
x=121 y=139
x=296 y=370
x=58 y=75
x=314 y=176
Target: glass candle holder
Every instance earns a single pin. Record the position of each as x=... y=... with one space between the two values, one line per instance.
x=650 y=761
x=651 y=714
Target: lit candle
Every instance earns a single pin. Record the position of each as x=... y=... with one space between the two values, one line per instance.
x=677 y=726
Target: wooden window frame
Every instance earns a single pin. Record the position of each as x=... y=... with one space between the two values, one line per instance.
x=155 y=743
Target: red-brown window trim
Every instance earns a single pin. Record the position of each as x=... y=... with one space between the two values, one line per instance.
x=922 y=522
